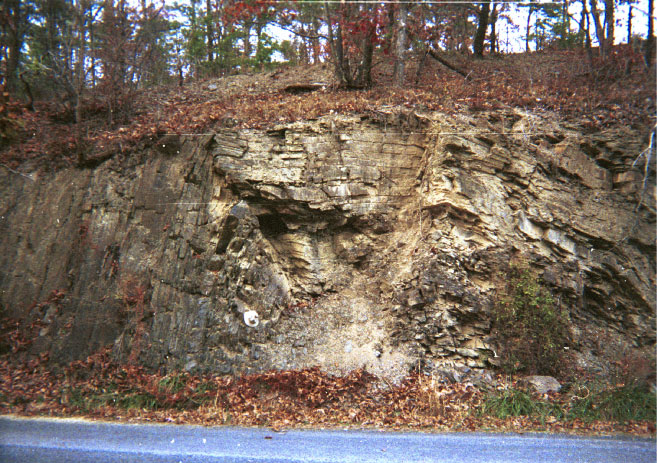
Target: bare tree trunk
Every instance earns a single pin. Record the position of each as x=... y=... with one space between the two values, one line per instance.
x=305 y=50
x=611 y=23
x=565 y=18
x=364 y=75
x=434 y=54
x=482 y=25
x=259 y=27
x=581 y=33
x=209 y=31
x=492 y=40
x=80 y=13
x=335 y=44
x=400 y=46
x=247 y=39
x=420 y=67
x=179 y=66
x=15 y=42
x=193 y=28
x=589 y=52
x=92 y=41
x=599 y=31
x=650 y=40
x=28 y=91
x=529 y=18
x=629 y=24
x=79 y=79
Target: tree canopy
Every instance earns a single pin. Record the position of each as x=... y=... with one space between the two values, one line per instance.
x=104 y=44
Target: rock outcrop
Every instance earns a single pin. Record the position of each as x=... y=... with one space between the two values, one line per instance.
x=347 y=241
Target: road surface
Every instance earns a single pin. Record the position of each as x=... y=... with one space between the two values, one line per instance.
x=52 y=441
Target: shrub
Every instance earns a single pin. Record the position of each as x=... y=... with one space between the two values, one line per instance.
x=633 y=368
x=10 y=119
x=530 y=328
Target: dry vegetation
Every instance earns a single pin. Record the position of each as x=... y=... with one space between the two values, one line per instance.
x=618 y=90
x=100 y=388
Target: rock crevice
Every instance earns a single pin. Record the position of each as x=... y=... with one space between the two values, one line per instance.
x=373 y=241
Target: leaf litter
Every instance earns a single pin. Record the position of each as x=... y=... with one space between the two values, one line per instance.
x=596 y=94
x=100 y=388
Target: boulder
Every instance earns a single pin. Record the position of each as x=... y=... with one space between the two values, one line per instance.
x=541 y=384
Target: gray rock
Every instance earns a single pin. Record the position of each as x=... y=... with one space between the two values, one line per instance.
x=447 y=375
x=200 y=229
x=240 y=210
x=256 y=353
x=483 y=379
x=471 y=353
x=541 y=384
x=189 y=366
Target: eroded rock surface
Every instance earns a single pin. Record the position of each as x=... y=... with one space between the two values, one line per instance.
x=373 y=241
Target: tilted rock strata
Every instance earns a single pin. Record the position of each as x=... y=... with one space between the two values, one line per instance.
x=371 y=241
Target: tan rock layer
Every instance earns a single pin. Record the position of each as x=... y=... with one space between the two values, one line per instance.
x=370 y=241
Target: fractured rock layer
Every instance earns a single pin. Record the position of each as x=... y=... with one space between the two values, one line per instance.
x=347 y=241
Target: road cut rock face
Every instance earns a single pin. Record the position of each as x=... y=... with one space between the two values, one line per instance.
x=374 y=241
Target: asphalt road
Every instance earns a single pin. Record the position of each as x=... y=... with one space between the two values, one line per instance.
x=43 y=440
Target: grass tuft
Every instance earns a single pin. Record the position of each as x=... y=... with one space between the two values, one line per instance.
x=516 y=402
x=173 y=383
x=139 y=401
x=632 y=402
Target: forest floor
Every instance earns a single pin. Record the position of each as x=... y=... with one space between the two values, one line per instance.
x=597 y=93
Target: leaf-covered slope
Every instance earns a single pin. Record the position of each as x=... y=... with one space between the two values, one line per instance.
x=598 y=94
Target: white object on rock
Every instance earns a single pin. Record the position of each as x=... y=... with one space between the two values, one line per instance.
x=251 y=318
x=348 y=347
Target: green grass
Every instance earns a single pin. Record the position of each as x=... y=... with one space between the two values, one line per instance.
x=530 y=327
x=86 y=401
x=633 y=402
x=139 y=401
x=516 y=402
x=163 y=397
x=173 y=383
x=205 y=387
